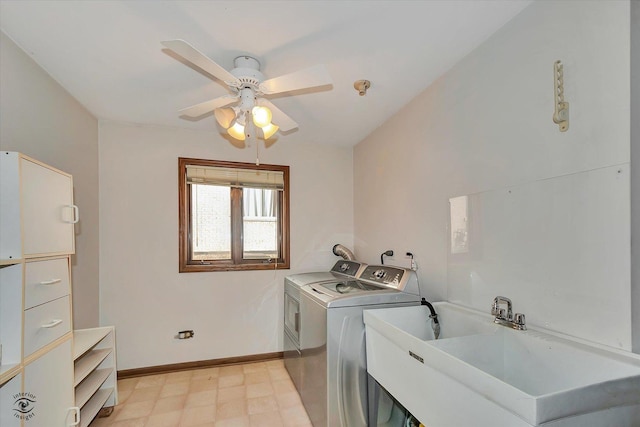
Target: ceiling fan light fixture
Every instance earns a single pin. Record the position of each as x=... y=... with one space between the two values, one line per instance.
x=269 y=130
x=224 y=116
x=237 y=131
x=261 y=116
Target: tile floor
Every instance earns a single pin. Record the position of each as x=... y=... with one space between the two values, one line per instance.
x=254 y=394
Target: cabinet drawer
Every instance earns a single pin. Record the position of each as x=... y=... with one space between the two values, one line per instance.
x=45 y=323
x=45 y=281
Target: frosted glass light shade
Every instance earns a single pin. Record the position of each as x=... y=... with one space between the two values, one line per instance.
x=224 y=116
x=237 y=131
x=269 y=130
x=261 y=116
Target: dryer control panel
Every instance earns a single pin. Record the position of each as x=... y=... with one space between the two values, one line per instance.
x=383 y=275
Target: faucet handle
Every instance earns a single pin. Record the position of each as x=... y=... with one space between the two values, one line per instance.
x=518 y=319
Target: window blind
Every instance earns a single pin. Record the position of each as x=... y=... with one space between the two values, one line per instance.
x=232 y=177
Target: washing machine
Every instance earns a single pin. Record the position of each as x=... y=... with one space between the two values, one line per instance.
x=343 y=269
x=385 y=410
x=332 y=340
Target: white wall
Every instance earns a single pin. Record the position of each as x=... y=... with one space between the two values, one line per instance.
x=635 y=170
x=486 y=124
x=40 y=119
x=232 y=313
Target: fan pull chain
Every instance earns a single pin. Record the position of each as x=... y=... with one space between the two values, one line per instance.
x=257 y=153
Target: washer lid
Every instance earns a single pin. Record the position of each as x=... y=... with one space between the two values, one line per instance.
x=348 y=287
x=350 y=293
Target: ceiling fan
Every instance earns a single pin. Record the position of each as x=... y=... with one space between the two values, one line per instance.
x=249 y=89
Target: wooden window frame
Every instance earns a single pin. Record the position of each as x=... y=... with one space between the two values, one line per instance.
x=237 y=263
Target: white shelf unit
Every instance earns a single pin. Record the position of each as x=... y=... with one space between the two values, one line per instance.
x=37 y=218
x=95 y=375
x=10 y=321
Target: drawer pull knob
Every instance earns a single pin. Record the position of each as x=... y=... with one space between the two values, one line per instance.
x=51 y=282
x=52 y=324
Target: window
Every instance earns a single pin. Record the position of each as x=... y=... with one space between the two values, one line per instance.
x=232 y=216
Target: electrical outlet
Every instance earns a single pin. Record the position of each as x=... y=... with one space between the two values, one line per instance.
x=183 y=335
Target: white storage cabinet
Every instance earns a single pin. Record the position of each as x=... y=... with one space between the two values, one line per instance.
x=37 y=371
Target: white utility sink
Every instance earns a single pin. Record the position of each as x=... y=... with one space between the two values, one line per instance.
x=499 y=376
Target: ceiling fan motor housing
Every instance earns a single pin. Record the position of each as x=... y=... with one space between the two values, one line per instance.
x=248 y=85
x=247 y=70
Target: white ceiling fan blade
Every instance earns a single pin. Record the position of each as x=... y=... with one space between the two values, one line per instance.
x=208 y=106
x=303 y=79
x=278 y=117
x=197 y=58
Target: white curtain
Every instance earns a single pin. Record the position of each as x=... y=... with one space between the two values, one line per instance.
x=257 y=202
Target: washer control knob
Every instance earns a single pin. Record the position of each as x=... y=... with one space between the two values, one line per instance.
x=378 y=274
x=344 y=267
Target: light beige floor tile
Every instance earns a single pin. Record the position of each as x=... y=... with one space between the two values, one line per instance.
x=259 y=394
x=169 y=404
x=232 y=393
x=201 y=398
x=283 y=386
x=116 y=410
x=278 y=374
x=178 y=377
x=275 y=363
x=232 y=409
x=260 y=405
x=230 y=380
x=295 y=416
x=123 y=395
x=257 y=377
x=127 y=384
x=198 y=415
x=203 y=385
x=138 y=422
x=135 y=410
x=174 y=389
x=166 y=419
x=267 y=419
x=288 y=399
x=254 y=367
x=205 y=373
x=234 y=422
x=101 y=422
x=151 y=381
x=144 y=394
x=259 y=390
x=231 y=370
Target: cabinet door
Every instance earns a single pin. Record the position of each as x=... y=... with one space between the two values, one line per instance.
x=49 y=380
x=12 y=405
x=47 y=210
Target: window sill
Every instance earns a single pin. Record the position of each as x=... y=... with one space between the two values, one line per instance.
x=200 y=268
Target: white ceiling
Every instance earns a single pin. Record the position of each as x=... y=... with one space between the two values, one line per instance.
x=108 y=55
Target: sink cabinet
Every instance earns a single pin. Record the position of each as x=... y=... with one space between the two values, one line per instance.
x=504 y=377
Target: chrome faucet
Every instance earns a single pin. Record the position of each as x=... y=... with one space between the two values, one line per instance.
x=507 y=318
